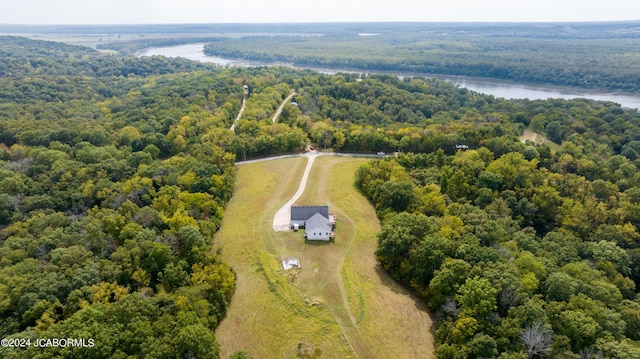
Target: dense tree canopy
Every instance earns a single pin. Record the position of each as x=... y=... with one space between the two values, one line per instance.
x=108 y=218
x=574 y=55
x=526 y=258
x=115 y=172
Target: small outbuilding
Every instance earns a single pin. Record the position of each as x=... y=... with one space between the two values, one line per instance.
x=289 y=263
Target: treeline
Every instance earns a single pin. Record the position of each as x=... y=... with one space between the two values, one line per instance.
x=524 y=252
x=110 y=194
x=114 y=178
x=24 y=58
x=131 y=47
x=582 y=62
x=382 y=113
x=348 y=113
x=573 y=30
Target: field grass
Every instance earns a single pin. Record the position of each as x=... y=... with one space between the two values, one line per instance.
x=394 y=322
x=267 y=317
x=339 y=301
x=538 y=139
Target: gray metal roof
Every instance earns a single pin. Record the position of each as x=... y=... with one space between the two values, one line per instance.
x=305 y=212
x=318 y=221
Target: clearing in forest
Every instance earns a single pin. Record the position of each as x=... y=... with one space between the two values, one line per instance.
x=341 y=303
x=538 y=139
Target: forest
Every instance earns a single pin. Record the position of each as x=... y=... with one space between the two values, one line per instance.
x=594 y=55
x=115 y=172
x=586 y=63
x=521 y=251
x=107 y=225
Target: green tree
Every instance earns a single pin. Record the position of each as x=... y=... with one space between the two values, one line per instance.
x=476 y=297
x=630 y=311
x=447 y=280
x=579 y=327
x=196 y=341
x=561 y=286
x=482 y=346
x=397 y=196
x=324 y=134
x=6 y=208
x=554 y=131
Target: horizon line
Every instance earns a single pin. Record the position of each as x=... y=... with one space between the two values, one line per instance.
x=332 y=22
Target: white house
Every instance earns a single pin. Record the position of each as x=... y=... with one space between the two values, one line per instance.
x=318 y=228
x=316 y=220
x=300 y=214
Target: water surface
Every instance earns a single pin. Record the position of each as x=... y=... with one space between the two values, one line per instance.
x=497 y=88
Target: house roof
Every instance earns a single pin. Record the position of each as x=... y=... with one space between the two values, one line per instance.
x=318 y=220
x=305 y=212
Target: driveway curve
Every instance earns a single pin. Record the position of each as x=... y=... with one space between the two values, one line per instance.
x=233 y=126
x=284 y=102
x=281 y=220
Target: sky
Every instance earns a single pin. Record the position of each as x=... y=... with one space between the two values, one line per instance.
x=273 y=11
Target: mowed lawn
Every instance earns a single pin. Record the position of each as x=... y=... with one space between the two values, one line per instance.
x=340 y=302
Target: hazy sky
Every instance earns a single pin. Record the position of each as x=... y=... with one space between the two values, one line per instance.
x=215 y=11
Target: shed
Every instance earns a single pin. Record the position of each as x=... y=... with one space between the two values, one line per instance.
x=289 y=263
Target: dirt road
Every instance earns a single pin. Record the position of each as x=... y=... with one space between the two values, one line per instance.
x=282 y=217
x=279 y=111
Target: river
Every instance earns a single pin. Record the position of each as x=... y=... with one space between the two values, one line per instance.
x=497 y=88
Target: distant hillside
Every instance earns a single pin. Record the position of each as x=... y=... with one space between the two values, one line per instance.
x=594 y=30
x=22 y=56
x=587 y=55
x=594 y=55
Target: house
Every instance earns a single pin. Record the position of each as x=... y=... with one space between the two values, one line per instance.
x=300 y=214
x=318 y=228
x=316 y=220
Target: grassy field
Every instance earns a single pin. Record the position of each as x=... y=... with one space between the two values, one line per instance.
x=538 y=139
x=340 y=301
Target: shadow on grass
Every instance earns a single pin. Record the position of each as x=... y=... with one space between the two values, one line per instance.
x=397 y=287
x=318 y=243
